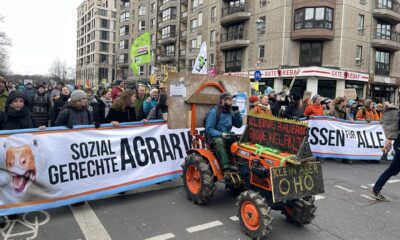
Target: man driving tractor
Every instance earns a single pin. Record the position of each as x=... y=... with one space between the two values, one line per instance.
x=218 y=124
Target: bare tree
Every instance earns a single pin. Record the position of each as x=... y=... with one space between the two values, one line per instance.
x=5 y=43
x=58 y=69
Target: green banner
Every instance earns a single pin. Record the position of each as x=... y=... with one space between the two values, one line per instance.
x=140 y=52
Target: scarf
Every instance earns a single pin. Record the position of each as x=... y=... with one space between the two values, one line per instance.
x=21 y=116
x=108 y=104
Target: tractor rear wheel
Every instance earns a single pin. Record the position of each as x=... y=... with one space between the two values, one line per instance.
x=198 y=179
x=254 y=215
x=300 y=211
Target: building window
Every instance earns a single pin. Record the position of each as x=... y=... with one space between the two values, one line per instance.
x=320 y=17
x=327 y=88
x=123 y=58
x=124 y=44
x=385 y=4
x=200 y=19
x=311 y=54
x=358 y=55
x=195 y=5
x=264 y=20
x=360 y=28
x=263 y=3
x=152 y=38
x=193 y=45
x=382 y=62
x=125 y=4
x=261 y=51
x=198 y=41
x=124 y=16
x=153 y=7
x=142 y=10
x=234 y=32
x=103 y=47
x=124 y=30
x=142 y=25
x=383 y=30
x=153 y=22
x=212 y=38
x=213 y=14
x=212 y=60
x=103 y=58
x=104 y=35
x=233 y=61
x=169 y=13
x=168 y=31
x=104 y=23
x=102 y=12
x=193 y=25
x=170 y=50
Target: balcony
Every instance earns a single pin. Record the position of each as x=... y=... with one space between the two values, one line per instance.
x=232 y=14
x=184 y=17
x=168 y=38
x=184 y=2
x=313 y=34
x=388 y=11
x=170 y=3
x=170 y=21
x=385 y=39
x=183 y=36
x=167 y=57
x=231 y=40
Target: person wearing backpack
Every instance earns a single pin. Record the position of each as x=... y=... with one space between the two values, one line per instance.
x=41 y=106
x=76 y=112
x=218 y=125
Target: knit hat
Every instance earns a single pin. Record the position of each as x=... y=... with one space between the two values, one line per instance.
x=315 y=97
x=253 y=99
x=14 y=95
x=78 y=95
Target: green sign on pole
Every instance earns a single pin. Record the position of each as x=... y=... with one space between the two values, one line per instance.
x=140 y=52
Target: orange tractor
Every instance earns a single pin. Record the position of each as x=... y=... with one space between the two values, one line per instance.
x=265 y=179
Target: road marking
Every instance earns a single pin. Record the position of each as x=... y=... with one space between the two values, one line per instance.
x=234 y=218
x=364 y=187
x=319 y=197
x=204 y=226
x=368 y=197
x=89 y=223
x=162 y=237
x=394 y=181
x=344 y=189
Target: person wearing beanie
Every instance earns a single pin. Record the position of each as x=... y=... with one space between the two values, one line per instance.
x=295 y=109
x=3 y=94
x=76 y=112
x=368 y=112
x=157 y=112
x=316 y=108
x=16 y=114
x=262 y=108
x=59 y=104
x=41 y=106
x=118 y=89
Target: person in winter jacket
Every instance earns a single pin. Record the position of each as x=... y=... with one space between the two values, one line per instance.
x=379 y=111
x=122 y=109
x=117 y=90
x=263 y=108
x=29 y=90
x=76 y=112
x=150 y=101
x=41 y=106
x=368 y=112
x=316 y=108
x=56 y=92
x=218 y=130
x=60 y=103
x=17 y=114
x=102 y=107
x=141 y=97
x=3 y=94
x=352 y=105
x=157 y=112
x=295 y=109
x=10 y=86
x=91 y=98
x=339 y=109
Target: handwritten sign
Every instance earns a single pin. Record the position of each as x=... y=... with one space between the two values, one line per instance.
x=276 y=134
x=296 y=181
x=350 y=93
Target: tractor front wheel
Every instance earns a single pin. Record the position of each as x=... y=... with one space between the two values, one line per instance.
x=300 y=211
x=254 y=215
x=198 y=179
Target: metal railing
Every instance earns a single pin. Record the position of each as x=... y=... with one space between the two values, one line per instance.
x=168 y=56
x=381 y=33
x=168 y=35
x=388 y=4
x=229 y=10
x=234 y=35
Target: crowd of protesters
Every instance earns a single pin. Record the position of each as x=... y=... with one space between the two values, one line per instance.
x=40 y=106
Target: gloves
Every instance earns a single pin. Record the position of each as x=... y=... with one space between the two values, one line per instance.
x=235 y=108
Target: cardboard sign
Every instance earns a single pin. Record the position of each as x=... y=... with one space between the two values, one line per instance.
x=350 y=93
x=296 y=181
x=277 y=134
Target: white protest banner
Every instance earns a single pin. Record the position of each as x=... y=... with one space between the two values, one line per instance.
x=200 y=65
x=47 y=169
x=332 y=138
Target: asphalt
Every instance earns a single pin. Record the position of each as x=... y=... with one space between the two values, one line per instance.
x=163 y=211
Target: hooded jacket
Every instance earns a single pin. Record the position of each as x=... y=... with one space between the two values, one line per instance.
x=3 y=100
x=12 y=119
x=227 y=120
x=120 y=116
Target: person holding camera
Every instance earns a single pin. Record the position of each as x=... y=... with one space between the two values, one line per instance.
x=218 y=125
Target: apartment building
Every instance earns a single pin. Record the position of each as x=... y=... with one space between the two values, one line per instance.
x=330 y=45
x=96 y=27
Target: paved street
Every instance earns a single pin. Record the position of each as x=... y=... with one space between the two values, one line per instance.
x=163 y=212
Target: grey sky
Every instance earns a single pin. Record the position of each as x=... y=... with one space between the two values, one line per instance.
x=41 y=31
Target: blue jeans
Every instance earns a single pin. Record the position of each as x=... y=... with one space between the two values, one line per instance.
x=392 y=170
